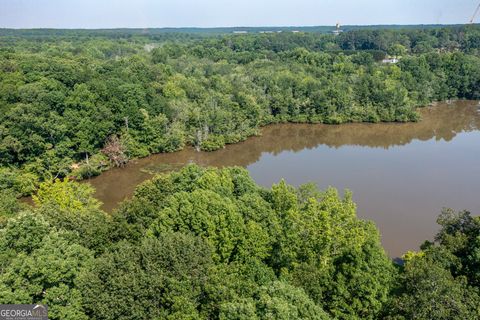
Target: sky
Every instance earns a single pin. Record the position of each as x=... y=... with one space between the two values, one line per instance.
x=226 y=13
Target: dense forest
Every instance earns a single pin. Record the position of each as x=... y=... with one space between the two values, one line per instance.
x=205 y=243
x=75 y=102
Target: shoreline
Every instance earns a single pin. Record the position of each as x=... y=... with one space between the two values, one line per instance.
x=189 y=148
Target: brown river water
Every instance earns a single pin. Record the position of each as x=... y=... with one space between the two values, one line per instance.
x=401 y=175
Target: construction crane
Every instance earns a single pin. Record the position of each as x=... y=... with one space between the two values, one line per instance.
x=475 y=14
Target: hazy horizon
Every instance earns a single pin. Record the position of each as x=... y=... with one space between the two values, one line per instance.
x=233 y=27
x=109 y=14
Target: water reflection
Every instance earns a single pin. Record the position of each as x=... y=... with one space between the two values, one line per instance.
x=381 y=163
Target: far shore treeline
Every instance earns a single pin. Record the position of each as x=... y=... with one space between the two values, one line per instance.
x=72 y=106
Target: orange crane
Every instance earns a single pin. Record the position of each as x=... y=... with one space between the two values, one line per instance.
x=475 y=14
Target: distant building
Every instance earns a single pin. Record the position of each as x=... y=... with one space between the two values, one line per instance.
x=295 y=31
x=390 y=60
x=240 y=32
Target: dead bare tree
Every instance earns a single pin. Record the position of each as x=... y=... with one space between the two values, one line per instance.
x=115 y=151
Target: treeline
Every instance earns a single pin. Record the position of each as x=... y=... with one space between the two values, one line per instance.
x=211 y=244
x=160 y=33
x=416 y=41
x=75 y=107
